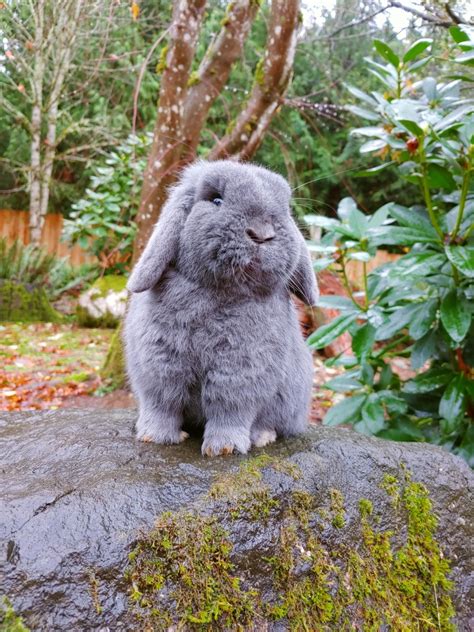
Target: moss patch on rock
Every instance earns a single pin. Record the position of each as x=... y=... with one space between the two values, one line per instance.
x=20 y=303
x=113 y=369
x=9 y=620
x=103 y=304
x=183 y=572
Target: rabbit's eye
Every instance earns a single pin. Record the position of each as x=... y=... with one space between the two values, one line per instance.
x=217 y=201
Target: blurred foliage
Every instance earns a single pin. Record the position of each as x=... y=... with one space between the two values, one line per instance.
x=307 y=141
x=102 y=221
x=420 y=306
x=34 y=267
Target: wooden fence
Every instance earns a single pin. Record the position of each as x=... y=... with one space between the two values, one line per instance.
x=14 y=225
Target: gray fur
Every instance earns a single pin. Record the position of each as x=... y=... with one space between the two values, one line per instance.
x=211 y=335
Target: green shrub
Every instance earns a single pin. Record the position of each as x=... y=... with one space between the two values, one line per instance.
x=102 y=222
x=421 y=305
x=33 y=266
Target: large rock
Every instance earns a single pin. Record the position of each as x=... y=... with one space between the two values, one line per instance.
x=104 y=303
x=304 y=525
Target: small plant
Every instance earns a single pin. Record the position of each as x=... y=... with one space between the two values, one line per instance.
x=102 y=222
x=420 y=306
x=33 y=266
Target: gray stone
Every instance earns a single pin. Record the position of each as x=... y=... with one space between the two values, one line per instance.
x=77 y=490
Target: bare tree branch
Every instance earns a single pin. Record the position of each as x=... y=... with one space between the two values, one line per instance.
x=271 y=81
x=432 y=19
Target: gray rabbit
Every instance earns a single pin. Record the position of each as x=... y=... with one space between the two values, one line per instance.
x=211 y=335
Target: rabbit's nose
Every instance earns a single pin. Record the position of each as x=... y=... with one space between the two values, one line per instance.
x=260 y=232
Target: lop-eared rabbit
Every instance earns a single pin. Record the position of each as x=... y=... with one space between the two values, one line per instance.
x=211 y=334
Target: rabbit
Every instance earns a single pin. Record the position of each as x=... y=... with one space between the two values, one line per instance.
x=211 y=335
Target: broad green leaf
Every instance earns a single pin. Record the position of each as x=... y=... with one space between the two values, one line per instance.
x=347 y=411
x=458 y=34
x=366 y=173
x=455 y=315
x=377 y=132
x=430 y=88
x=463 y=258
x=345 y=207
x=336 y=302
x=405 y=430
x=440 y=177
x=411 y=126
x=396 y=321
x=423 y=350
x=363 y=112
x=454 y=118
x=416 y=49
x=387 y=53
x=372 y=413
x=429 y=381
x=393 y=402
x=358 y=222
x=453 y=402
x=372 y=145
x=327 y=333
x=359 y=256
x=322 y=264
x=466 y=59
x=363 y=340
x=423 y=318
x=343 y=384
x=359 y=94
x=402 y=236
x=410 y=217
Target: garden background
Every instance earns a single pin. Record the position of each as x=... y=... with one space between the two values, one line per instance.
x=365 y=106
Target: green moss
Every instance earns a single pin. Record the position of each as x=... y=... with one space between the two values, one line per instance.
x=109 y=283
x=259 y=74
x=9 y=621
x=161 y=65
x=186 y=561
x=193 y=78
x=337 y=508
x=245 y=491
x=101 y=287
x=19 y=303
x=113 y=369
x=318 y=583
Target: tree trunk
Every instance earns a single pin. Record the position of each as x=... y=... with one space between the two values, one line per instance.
x=185 y=101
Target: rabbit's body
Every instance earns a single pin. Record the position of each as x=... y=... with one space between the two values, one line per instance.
x=215 y=340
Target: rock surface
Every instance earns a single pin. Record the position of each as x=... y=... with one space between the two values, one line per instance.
x=78 y=490
x=104 y=303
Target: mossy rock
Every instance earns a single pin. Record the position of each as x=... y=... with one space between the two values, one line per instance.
x=329 y=531
x=104 y=303
x=25 y=303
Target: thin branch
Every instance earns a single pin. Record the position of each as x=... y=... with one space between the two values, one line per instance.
x=351 y=25
x=426 y=16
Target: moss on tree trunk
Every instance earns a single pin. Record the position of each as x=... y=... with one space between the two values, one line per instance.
x=113 y=368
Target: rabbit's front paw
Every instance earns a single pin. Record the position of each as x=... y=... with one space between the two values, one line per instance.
x=161 y=438
x=225 y=443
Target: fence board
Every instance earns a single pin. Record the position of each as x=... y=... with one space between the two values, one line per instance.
x=14 y=225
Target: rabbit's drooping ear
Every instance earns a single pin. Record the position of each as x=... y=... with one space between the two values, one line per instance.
x=303 y=280
x=162 y=247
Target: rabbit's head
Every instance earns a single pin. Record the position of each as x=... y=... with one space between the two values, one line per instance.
x=229 y=225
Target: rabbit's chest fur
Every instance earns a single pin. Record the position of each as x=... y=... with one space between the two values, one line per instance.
x=185 y=324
